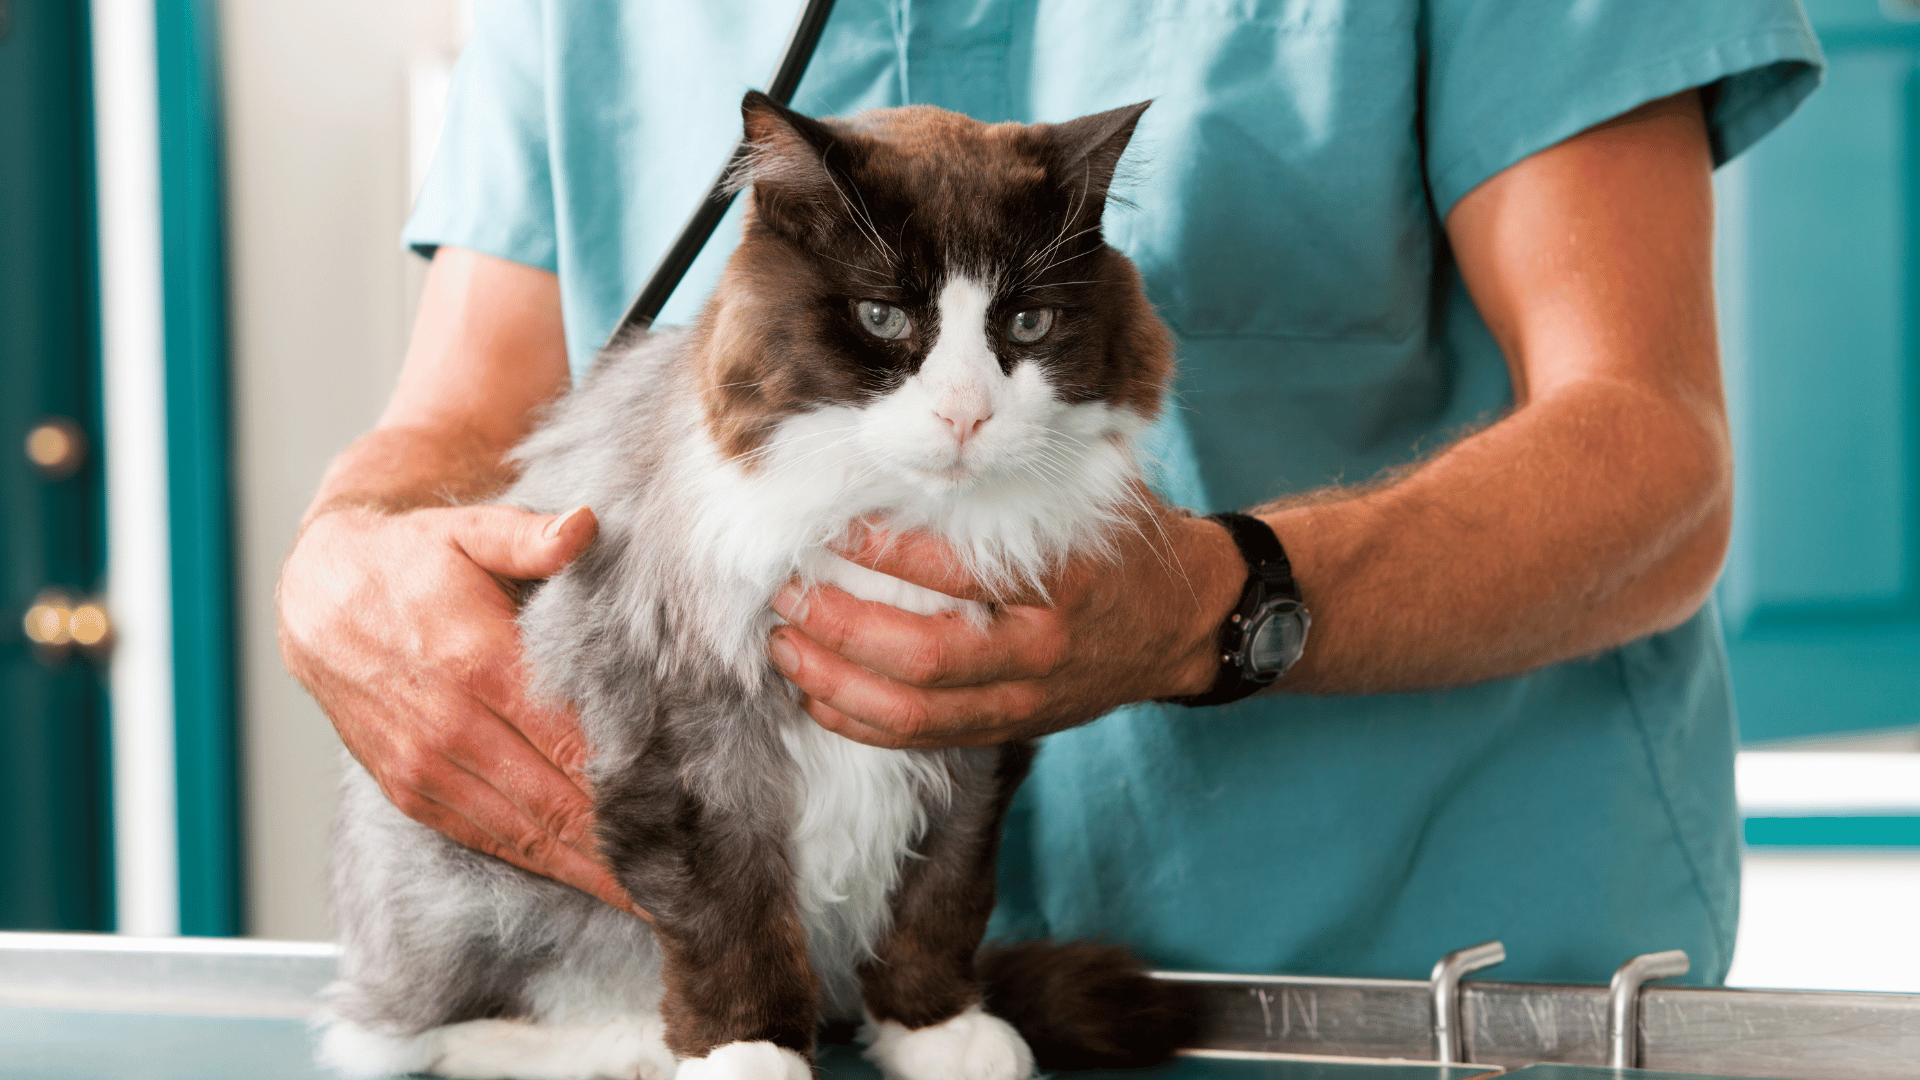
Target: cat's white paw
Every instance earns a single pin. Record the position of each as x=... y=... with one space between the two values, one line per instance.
x=626 y=1048
x=972 y=1046
x=630 y=1048
x=359 y=1053
x=747 y=1061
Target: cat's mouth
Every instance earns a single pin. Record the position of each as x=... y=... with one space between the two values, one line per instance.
x=953 y=478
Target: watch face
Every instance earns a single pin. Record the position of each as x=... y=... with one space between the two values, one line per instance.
x=1279 y=636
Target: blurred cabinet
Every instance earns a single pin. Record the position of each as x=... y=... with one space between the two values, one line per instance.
x=1820 y=287
x=54 y=825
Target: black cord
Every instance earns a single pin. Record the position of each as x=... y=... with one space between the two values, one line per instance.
x=699 y=228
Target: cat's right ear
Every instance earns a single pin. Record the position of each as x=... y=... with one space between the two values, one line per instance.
x=787 y=165
x=1088 y=152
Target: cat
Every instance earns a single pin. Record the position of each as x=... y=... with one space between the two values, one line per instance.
x=922 y=326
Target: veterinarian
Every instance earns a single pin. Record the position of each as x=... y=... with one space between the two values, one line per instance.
x=1454 y=252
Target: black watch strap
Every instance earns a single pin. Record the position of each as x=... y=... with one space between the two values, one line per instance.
x=1269 y=577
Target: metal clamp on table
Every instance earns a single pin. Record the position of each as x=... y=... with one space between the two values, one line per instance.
x=1623 y=1002
x=1449 y=1036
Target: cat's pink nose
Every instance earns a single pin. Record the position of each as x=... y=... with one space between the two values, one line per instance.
x=964 y=421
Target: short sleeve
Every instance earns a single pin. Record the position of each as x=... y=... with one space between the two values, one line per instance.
x=490 y=187
x=1509 y=78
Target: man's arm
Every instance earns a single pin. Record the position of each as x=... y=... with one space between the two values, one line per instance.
x=393 y=610
x=1595 y=513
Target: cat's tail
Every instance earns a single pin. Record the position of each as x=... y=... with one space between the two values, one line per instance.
x=1082 y=1005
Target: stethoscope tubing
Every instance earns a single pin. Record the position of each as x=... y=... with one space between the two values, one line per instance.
x=706 y=217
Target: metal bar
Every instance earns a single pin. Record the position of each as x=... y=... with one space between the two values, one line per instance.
x=1786 y=1034
x=1451 y=1072
x=1623 y=1002
x=194 y=976
x=1791 y=1034
x=1277 y=1014
x=1449 y=1042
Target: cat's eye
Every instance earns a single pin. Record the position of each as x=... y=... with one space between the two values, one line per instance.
x=883 y=321
x=1030 y=326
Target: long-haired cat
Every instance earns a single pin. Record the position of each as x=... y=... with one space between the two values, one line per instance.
x=922 y=326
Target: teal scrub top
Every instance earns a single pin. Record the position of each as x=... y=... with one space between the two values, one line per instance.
x=1288 y=188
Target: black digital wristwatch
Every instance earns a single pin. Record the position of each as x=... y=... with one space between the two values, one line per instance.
x=1266 y=632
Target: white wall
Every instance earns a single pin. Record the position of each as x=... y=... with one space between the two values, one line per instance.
x=317 y=103
x=1829 y=920
x=1835 y=919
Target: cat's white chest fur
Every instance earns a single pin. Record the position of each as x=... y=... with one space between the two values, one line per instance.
x=860 y=810
x=1027 y=477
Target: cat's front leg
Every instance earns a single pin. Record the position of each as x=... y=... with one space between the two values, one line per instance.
x=740 y=999
x=921 y=989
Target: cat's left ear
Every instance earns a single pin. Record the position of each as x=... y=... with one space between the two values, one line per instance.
x=786 y=165
x=1087 y=151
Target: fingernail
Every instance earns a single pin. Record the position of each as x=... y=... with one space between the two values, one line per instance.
x=785 y=656
x=786 y=602
x=552 y=531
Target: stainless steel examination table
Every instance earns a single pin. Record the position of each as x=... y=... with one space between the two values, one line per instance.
x=96 y=1007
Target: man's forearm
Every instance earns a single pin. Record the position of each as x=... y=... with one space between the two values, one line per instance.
x=393 y=469
x=1597 y=512
x=1580 y=522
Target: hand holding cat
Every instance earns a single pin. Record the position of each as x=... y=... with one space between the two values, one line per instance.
x=401 y=627
x=1108 y=631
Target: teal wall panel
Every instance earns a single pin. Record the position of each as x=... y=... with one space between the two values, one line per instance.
x=55 y=822
x=1819 y=236
x=1830 y=273
x=198 y=474
x=1829 y=832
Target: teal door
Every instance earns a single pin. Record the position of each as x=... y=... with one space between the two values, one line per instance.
x=1820 y=273
x=54 y=825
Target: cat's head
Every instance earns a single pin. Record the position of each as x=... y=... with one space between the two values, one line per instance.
x=934 y=295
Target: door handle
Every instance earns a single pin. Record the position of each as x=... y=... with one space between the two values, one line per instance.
x=56 y=623
x=57 y=447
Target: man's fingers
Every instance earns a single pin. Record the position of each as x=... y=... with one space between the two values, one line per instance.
x=565 y=865
x=512 y=768
x=555 y=733
x=847 y=727
x=553 y=730
x=922 y=559
x=519 y=545
x=921 y=650
x=905 y=713
x=537 y=843
x=490 y=789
